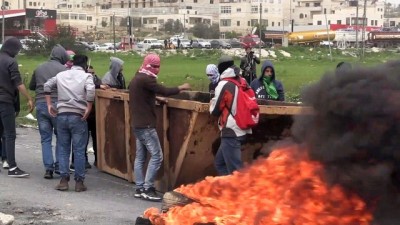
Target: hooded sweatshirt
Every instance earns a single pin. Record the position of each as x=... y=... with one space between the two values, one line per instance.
x=258 y=84
x=114 y=78
x=223 y=105
x=10 y=77
x=47 y=70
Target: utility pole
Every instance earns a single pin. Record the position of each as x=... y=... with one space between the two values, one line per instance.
x=114 y=31
x=130 y=24
x=259 y=29
x=357 y=28
x=3 y=21
x=363 y=30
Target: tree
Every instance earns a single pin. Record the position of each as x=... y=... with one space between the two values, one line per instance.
x=232 y=34
x=178 y=26
x=203 y=30
x=169 y=25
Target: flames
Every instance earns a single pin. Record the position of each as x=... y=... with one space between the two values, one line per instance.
x=284 y=189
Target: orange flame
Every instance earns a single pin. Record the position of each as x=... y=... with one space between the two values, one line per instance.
x=284 y=189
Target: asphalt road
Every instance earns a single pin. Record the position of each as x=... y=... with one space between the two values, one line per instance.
x=33 y=200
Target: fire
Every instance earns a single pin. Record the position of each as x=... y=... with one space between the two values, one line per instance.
x=287 y=188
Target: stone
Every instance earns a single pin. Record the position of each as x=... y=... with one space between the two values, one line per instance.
x=6 y=219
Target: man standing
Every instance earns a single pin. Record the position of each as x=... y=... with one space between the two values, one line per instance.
x=142 y=94
x=248 y=65
x=223 y=105
x=47 y=123
x=75 y=90
x=10 y=79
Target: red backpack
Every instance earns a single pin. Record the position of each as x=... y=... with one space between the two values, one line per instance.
x=247 y=110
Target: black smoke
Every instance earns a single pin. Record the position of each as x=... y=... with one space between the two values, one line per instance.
x=355 y=132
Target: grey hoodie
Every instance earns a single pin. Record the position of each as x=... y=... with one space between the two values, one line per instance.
x=114 y=77
x=47 y=70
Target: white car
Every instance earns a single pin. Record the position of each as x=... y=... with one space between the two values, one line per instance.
x=106 y=46
x=200 y=43
x=152 y=43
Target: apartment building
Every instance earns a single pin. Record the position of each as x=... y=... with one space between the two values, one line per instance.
x=242 y=16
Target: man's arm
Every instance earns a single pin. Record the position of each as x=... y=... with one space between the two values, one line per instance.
x=22 y=89
x=165 y=91
x=50 y=84
x=90 y=94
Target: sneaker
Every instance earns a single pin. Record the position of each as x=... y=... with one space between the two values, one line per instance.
x=72 y=167
x=5 y=165
x=139 y=192
x=151 y=195
x=80 y=186
x=63 y=185
x=17 y=172
x=87 y=165
x=48 y=174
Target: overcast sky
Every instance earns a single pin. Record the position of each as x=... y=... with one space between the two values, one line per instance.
x=394 y=1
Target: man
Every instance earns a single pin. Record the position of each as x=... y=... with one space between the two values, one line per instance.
x=114 y=77
x=47 y=123
x=75 y=91
x=267 y=87
x=142 y=94
x=228 y=157
x=248 y=64
x=10 y=79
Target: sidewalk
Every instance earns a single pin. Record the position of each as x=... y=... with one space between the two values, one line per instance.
x=33 y=200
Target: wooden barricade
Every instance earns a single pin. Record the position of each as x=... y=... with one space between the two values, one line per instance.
x=188 y=134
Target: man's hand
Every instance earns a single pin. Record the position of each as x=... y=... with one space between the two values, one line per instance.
x=161 y=100
x=104 y=86
x=52 y=110
x=87 y=113
x=31 y=106
x=184 y=87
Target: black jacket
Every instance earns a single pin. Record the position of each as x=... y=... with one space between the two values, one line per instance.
x=10 y=77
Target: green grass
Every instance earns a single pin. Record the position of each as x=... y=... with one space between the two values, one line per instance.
x=302 y=68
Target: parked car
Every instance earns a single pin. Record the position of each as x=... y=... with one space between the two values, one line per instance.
x=185 y=43
x=152 y=43
x=106 y=46
x=87 y=46
x=220 y=44
x=235 y=43
x=200 y=43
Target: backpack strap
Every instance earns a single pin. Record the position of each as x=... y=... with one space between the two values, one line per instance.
x=238 y=84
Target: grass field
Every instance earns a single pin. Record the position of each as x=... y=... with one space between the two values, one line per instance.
x=302 y=68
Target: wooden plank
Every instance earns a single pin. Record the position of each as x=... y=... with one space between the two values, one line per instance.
x=166 y=149
x=284 y=110
x=183 y=149
x=113 y=94
x=189 y=105
x=130 y=176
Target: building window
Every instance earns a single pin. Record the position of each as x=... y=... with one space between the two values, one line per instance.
x=43 y=4
x=254 y=22
x=143 y=3
x=194 y=1
x=151 y=3
x=136 y=3
x=122 y=4
x=339 y=22
x=69 y=6
x=254 y=9
x=248 y=23
x=238 y=10
x=271 y=1
x=74 y=16
x=211 y=1
x=82 y=17
x=37 y=3
x=307 y=4
x=279 y=24
x=77 y=6
x=238 y=23
x=273 y=23
x=225 y=23
x=64 y=16
x=89 y=18
x=265 y=9
x=319 y=22
x=301 y=16
x=34 y=3
x=317 y=4
x=30 y=3
x=225 y=10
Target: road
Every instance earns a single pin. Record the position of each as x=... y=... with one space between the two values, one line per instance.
x=33 y=200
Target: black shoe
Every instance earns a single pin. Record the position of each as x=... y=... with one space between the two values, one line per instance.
x=151 y=195
x=139 y=192
x=87 y=165
x=48 y=174
x=17 y=172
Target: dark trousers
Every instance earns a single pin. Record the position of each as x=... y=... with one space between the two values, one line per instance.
x=7 y=117
x=3 y=153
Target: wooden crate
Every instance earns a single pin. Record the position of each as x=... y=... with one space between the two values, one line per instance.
x=189 y=136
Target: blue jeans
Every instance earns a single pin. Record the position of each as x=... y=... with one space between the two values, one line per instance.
x=229 y=157
x=47 y=126
x=72 y=131
x=7 y=117
x=147 y=141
